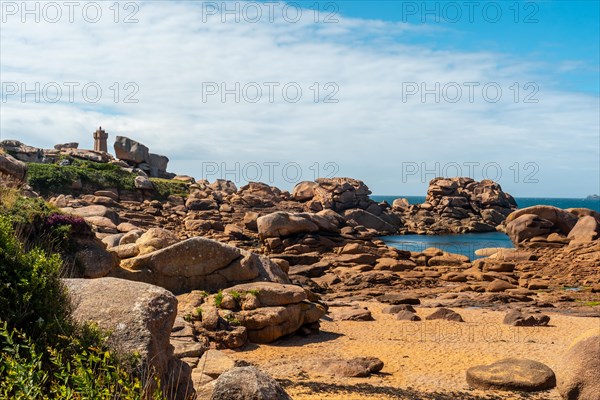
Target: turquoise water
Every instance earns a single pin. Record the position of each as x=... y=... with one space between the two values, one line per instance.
x=466 y=244
x=522 y=202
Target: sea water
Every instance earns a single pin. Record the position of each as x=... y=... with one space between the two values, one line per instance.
x=466 y=244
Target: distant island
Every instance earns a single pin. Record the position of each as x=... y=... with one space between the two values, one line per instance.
x=593 y=197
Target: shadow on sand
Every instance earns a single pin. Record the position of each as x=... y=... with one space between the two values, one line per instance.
x=386 y=392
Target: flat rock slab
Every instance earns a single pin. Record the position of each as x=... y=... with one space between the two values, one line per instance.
x=397 y=308
x=395 y=299
x=358 y=367
x=214 y=363
x=350 y=314
x=271 y=293
x=512 y=374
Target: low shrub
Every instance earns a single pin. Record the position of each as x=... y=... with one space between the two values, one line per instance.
x=164 y=188
x=44 y=354
x=55 y=179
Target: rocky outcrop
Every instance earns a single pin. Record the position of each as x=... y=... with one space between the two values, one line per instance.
x=261 y=312
x=129 y=150
x=586 y=229
x=13 y=168
x=353 y=368
x=339 y=194
x=259 y=195
x=139 y=318
x=458 y=205
x=547 y=226
x=269 y=310
x=579 y=372
x=137 y=155
x=198 y=263
x=304 y=191
x=22 y=152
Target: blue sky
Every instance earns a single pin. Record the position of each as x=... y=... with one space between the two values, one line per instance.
x=368 y=60
x=550 y=33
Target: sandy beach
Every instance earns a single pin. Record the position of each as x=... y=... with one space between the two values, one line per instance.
x=423 y=360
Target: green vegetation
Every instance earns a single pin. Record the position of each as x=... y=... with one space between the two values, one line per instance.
x=166 y=187
x=40 y=224
x=232 y=320
x=236 y=295
x=590 y=303
x=50 y=179
x=44 y=353
x=53 y=178
x=219 y=299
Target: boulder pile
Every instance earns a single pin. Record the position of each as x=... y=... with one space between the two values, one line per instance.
x=457 y=205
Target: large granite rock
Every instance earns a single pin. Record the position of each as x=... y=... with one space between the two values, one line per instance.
x=93 y=211
x=158 y=165
x=244 y=383
x=138 y=316
x=270 y=310
x=282 y=224
x=129 y=150
x=93 y=259
x=22 y=152
x=539 y=226
x=585 y=230
x=339 y=194
x=223 y=185
x=258 y=195
x=562 y=220
x=579 y=372
x=13 y=168
x=364 y=218
x=155 y=239
x=304 y=191
x=199 y=263
x=527 y=226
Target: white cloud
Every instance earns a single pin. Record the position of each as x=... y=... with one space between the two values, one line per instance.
x=171 y=52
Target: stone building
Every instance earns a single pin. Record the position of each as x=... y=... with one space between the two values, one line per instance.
x=100 y=137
